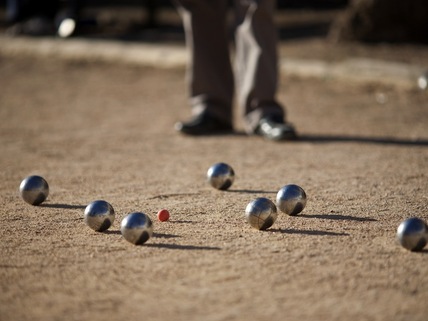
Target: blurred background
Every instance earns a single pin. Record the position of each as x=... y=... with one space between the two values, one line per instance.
x=368 y=21
x=393 y=31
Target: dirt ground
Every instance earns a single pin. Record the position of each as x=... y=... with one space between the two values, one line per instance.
x=105 y=131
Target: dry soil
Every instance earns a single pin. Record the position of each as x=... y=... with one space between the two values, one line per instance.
x=105 y=131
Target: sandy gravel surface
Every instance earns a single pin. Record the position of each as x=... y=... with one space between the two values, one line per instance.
x=105 y=131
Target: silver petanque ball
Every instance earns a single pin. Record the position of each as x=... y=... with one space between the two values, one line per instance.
x=137 y=228
x=34 y=190
x=291 y=199
x=412 y=234
x=221 y=176
x=261 y=213
x=99 y=215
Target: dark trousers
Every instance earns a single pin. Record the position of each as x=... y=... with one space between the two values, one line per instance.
x=212 y=76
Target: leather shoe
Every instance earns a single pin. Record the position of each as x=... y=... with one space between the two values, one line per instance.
x=203 y=124
x=274 y=129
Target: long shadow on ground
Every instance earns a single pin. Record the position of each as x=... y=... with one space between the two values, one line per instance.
x=361 y=139
x=311 y=138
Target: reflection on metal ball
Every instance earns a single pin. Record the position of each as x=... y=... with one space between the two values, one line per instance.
x=221 y=176
x=261 y=213
x=291 y=199
x=412 y=234
x=99 y=215
x=34 y=190
x=137 y=228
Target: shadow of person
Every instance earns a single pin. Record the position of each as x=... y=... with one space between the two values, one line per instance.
x=362 y=139
x=325 y=139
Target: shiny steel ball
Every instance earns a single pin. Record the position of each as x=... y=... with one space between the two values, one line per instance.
x=412 y=234
x=261 y=213
x=221 y=176
x=99 y=215
x=137 y=228
x=34 y=190
x=291 y=199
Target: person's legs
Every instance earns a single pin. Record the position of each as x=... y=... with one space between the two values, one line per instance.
x=257 y=68
x=209 y=72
